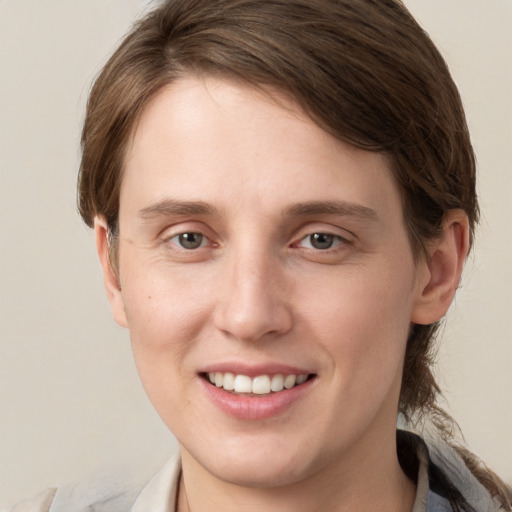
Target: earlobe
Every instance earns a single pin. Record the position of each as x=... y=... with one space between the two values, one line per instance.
x=440 y=275
x=110 y=276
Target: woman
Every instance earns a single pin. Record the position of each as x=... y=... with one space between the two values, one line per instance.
x=283 y=197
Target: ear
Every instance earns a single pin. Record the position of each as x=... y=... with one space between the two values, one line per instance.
x=439 y=276
x=110 y=276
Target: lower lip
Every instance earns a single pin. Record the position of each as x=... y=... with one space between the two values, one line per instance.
x=255 y=407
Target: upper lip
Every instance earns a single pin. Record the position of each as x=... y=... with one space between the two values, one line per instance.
x=254 y=370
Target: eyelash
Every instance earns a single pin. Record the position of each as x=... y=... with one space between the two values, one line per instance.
x=332 y=241
x=178 y=238
x=172 y=244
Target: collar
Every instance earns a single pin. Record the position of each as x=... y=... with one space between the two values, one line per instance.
x=161 y=493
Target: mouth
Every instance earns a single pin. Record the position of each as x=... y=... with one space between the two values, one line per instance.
x=259 y=386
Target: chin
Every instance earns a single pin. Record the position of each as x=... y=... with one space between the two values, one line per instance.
x=263 y=474
x=266 y=463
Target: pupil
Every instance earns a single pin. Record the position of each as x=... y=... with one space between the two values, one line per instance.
x=191 y=240
x=322 y=240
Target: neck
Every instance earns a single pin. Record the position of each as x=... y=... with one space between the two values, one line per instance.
x=373 y=482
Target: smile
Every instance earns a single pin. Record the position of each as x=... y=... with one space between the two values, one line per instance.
x=260 y=385
x=259 y=396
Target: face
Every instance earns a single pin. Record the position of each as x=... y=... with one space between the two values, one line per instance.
x=267 y=282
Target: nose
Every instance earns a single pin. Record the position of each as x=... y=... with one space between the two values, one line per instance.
x=253 y=304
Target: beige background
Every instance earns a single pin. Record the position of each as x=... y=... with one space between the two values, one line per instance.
x=70 y=402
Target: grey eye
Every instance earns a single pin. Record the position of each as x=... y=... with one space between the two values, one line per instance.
x=190 y=240
x=321 y=241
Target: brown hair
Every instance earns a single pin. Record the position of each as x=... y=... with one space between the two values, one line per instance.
x=364 y=70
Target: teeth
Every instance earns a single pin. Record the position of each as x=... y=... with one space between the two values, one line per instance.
x=301 y=379
x=243 y=384
x=229 y=382
x=277 y=383
x=289 y=381
x=261 y=385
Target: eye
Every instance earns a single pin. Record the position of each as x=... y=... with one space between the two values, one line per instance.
x=320 y=241
x=189 y=241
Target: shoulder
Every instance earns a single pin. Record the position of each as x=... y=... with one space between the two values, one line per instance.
x=40 y=503
x=450 y=477
x=447 y=484
x=117 y=493
x=80 y=498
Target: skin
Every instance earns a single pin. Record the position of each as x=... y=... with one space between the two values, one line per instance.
x=256 y=291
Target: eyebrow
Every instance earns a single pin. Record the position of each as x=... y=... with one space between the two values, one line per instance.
x=341 y=208
x=172 y=207
x=168 y=207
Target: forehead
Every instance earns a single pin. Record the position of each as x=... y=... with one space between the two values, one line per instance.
x=218 y=141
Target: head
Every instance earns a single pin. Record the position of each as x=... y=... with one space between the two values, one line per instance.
x=363 y=72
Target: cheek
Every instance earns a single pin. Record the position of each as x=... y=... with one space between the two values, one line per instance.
x=362 y=318
x=165 y=312
x=163 y=306
x=163 y=318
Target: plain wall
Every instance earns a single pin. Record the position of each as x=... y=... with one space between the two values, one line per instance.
x=71 y=405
